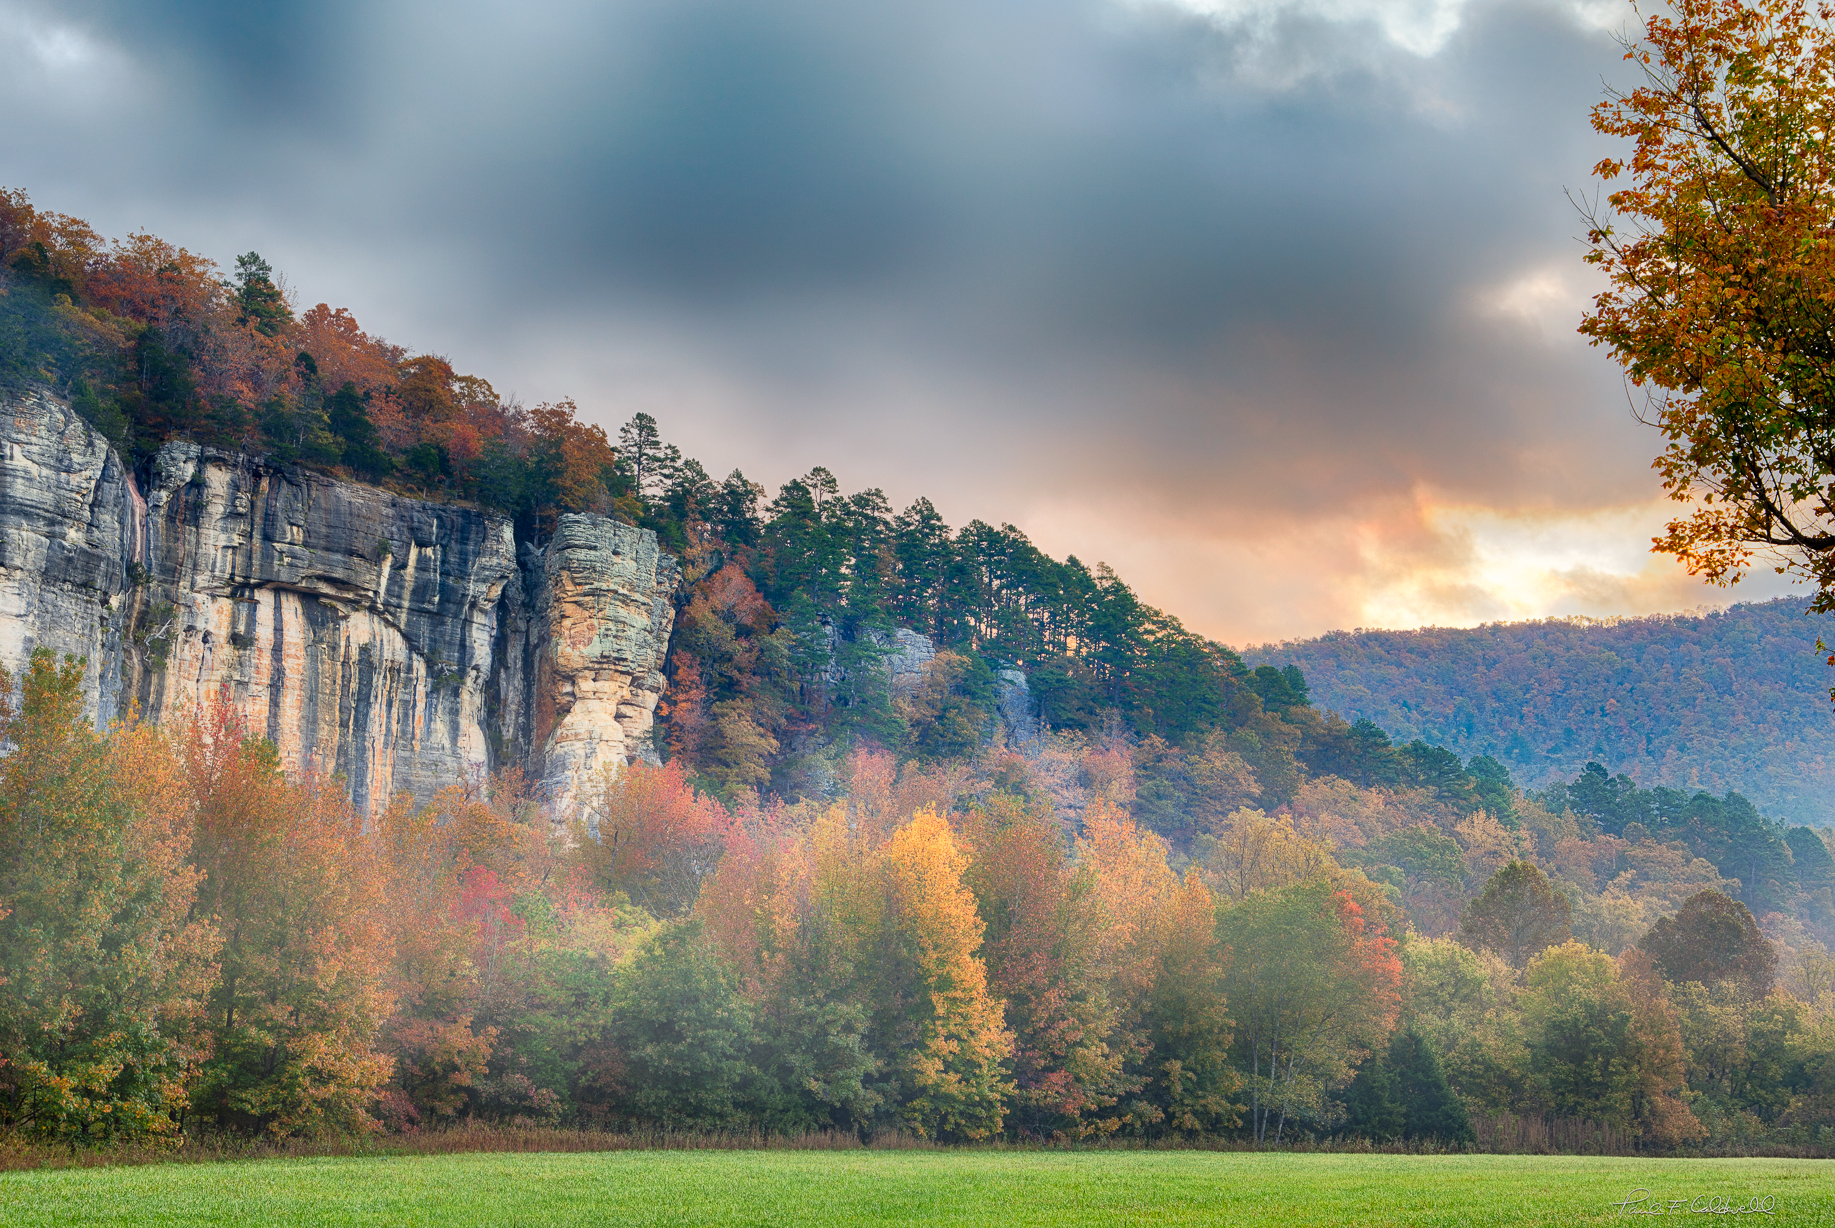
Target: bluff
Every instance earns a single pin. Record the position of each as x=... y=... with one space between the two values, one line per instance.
x=403 y=643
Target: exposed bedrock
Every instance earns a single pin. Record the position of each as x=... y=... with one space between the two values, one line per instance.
x=68 y=531
x=351 y=626
x=602 y=609
x=400 y=643
x=396 y=641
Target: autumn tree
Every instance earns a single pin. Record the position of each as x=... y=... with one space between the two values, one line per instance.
x=1604 y=1043
x=947 y=1038
x=574 y=459
x=1517 y=914
x=1715 y=240
x=101 y=965
x=650 y=834
x=1044 y=949
x=1713 y=938
x=300 y=994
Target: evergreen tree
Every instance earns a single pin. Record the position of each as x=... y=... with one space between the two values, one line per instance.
x=1430 y=1108
x=261 y=301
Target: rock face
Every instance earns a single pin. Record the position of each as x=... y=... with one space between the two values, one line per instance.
x=398 y=642
x=68 y=533
x=352 y=627
x=1019 y=713
x=602 y=613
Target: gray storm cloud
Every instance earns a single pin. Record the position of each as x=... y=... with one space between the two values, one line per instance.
x=1229 y=283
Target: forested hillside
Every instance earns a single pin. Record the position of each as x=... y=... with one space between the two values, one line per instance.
x=789 y=602
x=1193 y=903
x=1731 y=700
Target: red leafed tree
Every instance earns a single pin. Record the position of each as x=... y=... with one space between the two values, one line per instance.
x=1043 y=951
x=651 y=835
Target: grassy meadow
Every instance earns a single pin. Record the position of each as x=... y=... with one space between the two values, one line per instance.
x=907 y=1187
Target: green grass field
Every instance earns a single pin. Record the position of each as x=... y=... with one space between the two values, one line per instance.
x=907 y=1187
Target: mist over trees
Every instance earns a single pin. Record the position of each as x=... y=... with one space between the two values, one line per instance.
x=1730 y=700
x=875 y=884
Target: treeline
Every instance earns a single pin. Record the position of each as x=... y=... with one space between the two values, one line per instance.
x=150 y=343
x=793 y=601
x=1733 y=700
x=960 y=950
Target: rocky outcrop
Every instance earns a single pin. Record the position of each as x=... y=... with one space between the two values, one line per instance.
x=352 y=627
x=1018 y=711
x=69 y=531
x=910 y=652
x=601 y=615
x=398 y=642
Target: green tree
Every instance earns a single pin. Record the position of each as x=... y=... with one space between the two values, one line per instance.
x=1312 y=987
x=1402 y=1092
x=684 y=1034
x=1518 y=914
x=262 y=304
x=1604 y=1047
x=100 y=967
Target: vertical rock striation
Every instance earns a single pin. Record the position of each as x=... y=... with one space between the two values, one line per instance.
x=352 y=627
x=398 y=642
x=68 y=533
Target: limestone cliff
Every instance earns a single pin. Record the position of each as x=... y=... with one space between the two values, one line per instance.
x=351 y=626
x=598 y=634
x=399 y=642
x=69 y=530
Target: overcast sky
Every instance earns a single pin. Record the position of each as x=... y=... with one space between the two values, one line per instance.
x=1269 y=304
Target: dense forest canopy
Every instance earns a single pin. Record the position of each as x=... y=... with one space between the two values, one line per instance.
x=1731 y=699
x=1159 y=895
x=792 y=600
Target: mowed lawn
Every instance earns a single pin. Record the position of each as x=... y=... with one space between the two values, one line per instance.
x=908 y=1187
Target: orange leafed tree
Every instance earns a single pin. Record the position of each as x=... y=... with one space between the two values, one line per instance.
x=301 y=991
x=1045 y=949
x=957 y=1041
x=579 y=456
x=102 y=965
x=1719 y=241
x=650 y=834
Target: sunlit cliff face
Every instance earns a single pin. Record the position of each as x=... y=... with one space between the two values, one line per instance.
x=1270 y=304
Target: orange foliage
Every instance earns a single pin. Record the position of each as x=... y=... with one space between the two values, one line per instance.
x=954 y=1063
x=344 y=352
x=301 y=995
x=651 y=835
x=582 y=455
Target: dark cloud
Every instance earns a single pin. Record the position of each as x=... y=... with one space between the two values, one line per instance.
x=1237 y=281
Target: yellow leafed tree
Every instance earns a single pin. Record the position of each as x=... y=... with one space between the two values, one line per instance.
x=958 y=1041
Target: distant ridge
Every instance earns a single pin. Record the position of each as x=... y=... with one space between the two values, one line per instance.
x=1732 y=699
